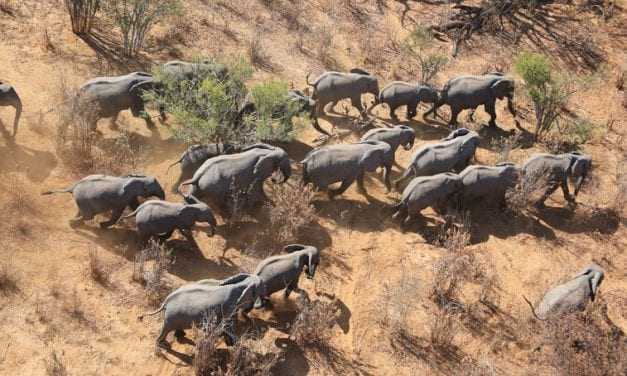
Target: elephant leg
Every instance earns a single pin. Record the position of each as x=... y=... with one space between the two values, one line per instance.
x=393 y=113
x=412 y=110
x=228 y=333
x=345 y=184
x=552 y=188
x=292 y=286
x=187 y=233
x=166 y=236
x=471 y=115
x=115 y=216
x=409 y=171
x=134 y=203
x=360 y=184
x=567 y=196
x=161 y=342
x=180 y=335
x=454 y=113
x=113 y=124
x=490 y=109
x=77 y=220
x=356 y=102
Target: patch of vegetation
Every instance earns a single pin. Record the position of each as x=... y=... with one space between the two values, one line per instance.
x=82 y=14
x=419 y=46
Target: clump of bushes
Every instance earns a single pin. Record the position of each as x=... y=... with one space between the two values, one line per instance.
x=290 y=212
x=313 y=327
x=149 y=269
x=419 y=46
x=82 y=14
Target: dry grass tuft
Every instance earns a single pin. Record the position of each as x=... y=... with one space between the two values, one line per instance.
x=291 y=211
x=8 y=279
x=149 y=269
x=55 y=366
x=98 y=270
x=313 y=327
x=524 y=195
x=443 y=329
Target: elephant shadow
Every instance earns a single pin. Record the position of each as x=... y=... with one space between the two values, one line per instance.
x=36 y=164
x=294 y=362
x=584 y=219
x=120 y=240
x=296 y=150
x=191 y=265
x=364 y=217
x=503 y=224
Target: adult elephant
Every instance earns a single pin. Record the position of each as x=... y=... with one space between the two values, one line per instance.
x=331 y=87
x=395 y=137
x=553 y=171
x=346 y=163
x=470 y=92
x=9 y=97
x=97 y=194
x=452 y=153
x=224 y=178
x=108 y=96
x=488 y=184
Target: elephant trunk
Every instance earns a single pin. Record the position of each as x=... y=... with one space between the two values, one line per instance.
x=510 y=104
x=18 y=114
x=387 y=173
x=286 y=169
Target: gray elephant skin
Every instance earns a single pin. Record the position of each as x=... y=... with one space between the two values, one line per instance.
x=110 y=95
x=398 y=94
x=97 y=194
x=556 y=169
x=346 y=163
x=200 y=302
x=220 y=177
x=283 y=271
x=9 y=97
x=196 y=155
x=331 y=87
x=161 y=218
x=395 y=137
x=570 y=296
x=470 y=92
x=452 y=153
x=488 y=185
x=427 y=191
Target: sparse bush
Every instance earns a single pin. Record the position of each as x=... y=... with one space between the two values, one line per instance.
x=524 y=195
x=256 y=52
x=313 y=327
x=443 y=329
x=82 y=14
x=135 y=18
x=149 y=269
x=504 y=147
x=98 y=271
x=418 y=45
x=55 y=366
x=291 y=211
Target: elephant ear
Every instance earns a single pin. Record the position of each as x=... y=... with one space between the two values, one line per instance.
x=372 y=159
x=293 y=248
x=595 y=281
x=132 y=188
x=234 y=279
x=502 y=88
x=580 y=165
x=258 y=145
x=359 y=71
x=143 y=85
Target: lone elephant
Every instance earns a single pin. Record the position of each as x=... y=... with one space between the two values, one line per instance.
x=470 y=92
x=553 y=171
x=398 y=94
x=9 y=97
x=346 y=163
x=570 y=296
x=97 y=194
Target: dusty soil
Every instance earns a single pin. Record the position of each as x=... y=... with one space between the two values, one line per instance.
x=380 y=275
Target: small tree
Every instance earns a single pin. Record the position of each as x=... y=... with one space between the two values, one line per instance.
x=548 y=92
x=82 y=14
x=135 y=18
x=417 y=45
x=274 y=112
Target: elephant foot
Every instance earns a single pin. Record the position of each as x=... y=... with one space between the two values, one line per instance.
x=74 y=223
x=539 y=205
x=164 y=345
x=105 y=224
x=179 y=335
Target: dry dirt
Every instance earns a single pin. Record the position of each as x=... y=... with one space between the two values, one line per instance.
x=380 y=275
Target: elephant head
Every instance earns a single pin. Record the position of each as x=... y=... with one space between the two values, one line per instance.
x=276 y=159
x=502 y=88
x=309 y=257
x=456 y=133
x=428 y=94
x=595 y=274
x=254 y=289
x=408 y=136
x=511 y=170
x=145 y=186
x=9 y=97
x=200 y=212
x=579 y=166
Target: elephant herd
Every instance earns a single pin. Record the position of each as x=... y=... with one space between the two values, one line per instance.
x=213 y=175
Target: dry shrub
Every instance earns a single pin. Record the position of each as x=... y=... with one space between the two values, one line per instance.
x=149 y=269
x=17 y=209
x=504 y=146
x=98 y=270
x=46 y=42
x=8 y=7
x=55 y=366
x=523 y=196
x=585 y=343
x=313 y=327
x=619 y=204
x=443 y=329
x=290 y=211
x=399 y=300
x=8 y=279
x=247 y=357
x=256 y=52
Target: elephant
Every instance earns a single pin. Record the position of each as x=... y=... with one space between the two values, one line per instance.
x=97 y=194
x=469 y=92
x=452 y=153
x=396 y=136
x=9 y=97
x=488 y=184
x=283 y=271
x=221 y=177
x=346 y=163
x=110 y=95
x=331 y=87
x=571 y=296
x=556 y=169
x=161 y=218
x=436 y=191
x=205 y=302
x=398 y=94
x=196 y=155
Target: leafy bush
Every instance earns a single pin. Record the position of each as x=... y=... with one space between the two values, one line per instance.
x=82 y=14
x=274 y=115
x=418 y=46
x=135 y=18
x=548 y=92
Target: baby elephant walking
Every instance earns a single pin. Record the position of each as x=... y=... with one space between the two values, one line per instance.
x=570 y=296
x=97 y=194
x=398 y=94
x=161 y=218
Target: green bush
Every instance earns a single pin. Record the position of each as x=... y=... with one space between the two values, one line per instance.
x=274 y=112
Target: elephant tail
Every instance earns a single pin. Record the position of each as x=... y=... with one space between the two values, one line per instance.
x=66 y=190
x=130 y=214
x=141 y=317
x=186 y=182
x=533 y=310
x=174 y=164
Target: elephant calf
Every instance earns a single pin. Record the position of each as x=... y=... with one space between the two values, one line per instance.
x=398 y=94
x=556 y=169
x=161 y=218
x=200 y=302
x=110 y=95
x=283 y=271
x=452 y=153
x=97 y=194
x=196 y=155
x=9 y=97
x=346 y=163
x=570 y=296
x=395 y=137
x=488 y=184
x=424 y=191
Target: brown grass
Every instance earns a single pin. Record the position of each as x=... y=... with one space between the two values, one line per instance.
x=150 y=268
x=313 y=327
x=8 y=279
x=523 y=196
x=98 y=270
x=54 y=365
x=290 y=211
x=443 y=329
